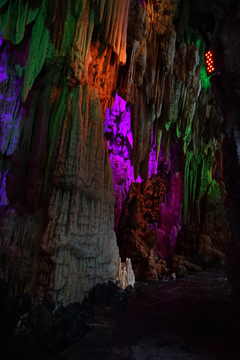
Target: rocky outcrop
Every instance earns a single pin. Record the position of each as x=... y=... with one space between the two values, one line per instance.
x=125 y=273
x=136 y=233
x=181 y=266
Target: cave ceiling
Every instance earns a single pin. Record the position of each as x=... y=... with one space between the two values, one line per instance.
x=114 y=139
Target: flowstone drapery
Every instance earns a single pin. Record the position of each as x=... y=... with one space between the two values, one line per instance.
x=165 y=122
x=63 y=64
x=59 y=61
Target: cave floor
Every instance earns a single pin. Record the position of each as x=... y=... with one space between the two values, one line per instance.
x=190 y=319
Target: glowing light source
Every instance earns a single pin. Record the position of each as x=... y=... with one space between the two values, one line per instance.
x=209 y=62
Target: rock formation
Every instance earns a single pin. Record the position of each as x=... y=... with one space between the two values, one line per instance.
x=156 y=177
x=165 y=121
x=135 y=236
x=59 y=63
x=125 y=273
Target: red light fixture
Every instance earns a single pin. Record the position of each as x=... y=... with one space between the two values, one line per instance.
x=209 y=63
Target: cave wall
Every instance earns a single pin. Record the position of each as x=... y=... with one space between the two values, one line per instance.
x=225 y=43
x=165 y=122
x=59 y=65
x=156 y=177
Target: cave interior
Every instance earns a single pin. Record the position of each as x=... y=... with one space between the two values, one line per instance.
x=119 y=170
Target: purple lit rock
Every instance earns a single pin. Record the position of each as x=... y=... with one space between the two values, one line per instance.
x=3 y=195
x=10 y=114
x=117 y=130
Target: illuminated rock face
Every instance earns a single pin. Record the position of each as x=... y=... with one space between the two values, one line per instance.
x=164 y=94
x=57 y=232
x=156 y=178
x=137 y=232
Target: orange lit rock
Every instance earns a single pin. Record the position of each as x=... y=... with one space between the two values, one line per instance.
x=135 y=237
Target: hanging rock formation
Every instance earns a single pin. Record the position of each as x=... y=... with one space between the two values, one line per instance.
x=60 y=62
x=156 y=177
x=165 y=121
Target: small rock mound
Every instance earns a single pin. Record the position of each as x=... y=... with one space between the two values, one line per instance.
x=181 y=266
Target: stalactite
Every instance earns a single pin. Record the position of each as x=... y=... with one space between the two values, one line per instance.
x=60 y=172
x=14 y=20
x=168 y=89
x=59 y=178
x=38 y=52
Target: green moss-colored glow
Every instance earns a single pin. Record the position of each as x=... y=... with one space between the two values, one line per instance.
x=190 y=185
x=2 y=3
x=205 y=80
x=38 y=52
x=186 y=186
x=57 y=117
x=19 y=70
x=198 y=170
x=69 y=31
x=158 y=142
x=206 y=175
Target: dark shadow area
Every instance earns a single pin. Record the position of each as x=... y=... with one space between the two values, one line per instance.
x=189 y=318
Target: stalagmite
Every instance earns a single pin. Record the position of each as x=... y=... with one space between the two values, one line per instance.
x=125 y=273
x=133 y=70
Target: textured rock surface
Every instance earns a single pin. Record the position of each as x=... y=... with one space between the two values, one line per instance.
x=166 y=122
x=125 y=273
x=61 y=63
x=136 y=239
x=57 y=232
x=181 y=266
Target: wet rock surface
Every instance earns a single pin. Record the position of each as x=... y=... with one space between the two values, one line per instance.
x=187 y=319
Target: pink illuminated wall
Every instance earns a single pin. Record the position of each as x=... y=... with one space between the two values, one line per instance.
x=117 y=130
